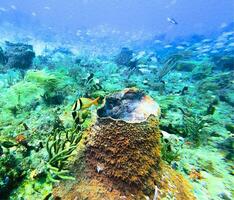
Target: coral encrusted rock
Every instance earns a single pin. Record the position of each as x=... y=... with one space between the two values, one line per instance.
x=18 y=55
x=120 y=156
x=124 y=57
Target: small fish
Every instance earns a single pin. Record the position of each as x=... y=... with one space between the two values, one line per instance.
x=25 y=126
x=206 y=40
x=184 y=90
x=231 y=44
x=145 y=71
x=79 y=113
x=167 y=46
x=90 y=78
x=157 y=41
x=13 y=7
x=180 y=47
x=195 y=174
x=188 y=143
x=47 y=8
x=3 y=9
x=155 y=193
x=80 y=116
x=20 y=139
x=84 y=103
x=172 y=21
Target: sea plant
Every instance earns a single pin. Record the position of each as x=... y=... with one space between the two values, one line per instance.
x=60 y=146
x=169 y=152
x=168 y=65
x=171 y=146
x=52 y=84
x=193 y=125
x=19 y=97
x=48 y=81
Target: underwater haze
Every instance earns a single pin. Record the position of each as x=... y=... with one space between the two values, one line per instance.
x=194 y=17
x=116 y=99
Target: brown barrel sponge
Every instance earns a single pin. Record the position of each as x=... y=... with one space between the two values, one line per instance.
x=125 y=141
x=121 y=158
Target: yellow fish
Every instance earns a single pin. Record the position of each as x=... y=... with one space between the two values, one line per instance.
x=78 y=109
x=84 y=103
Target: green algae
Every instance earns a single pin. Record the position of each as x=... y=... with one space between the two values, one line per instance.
x=39 y=189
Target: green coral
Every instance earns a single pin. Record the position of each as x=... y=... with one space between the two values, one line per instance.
x=48 y=82
x=53 y=84
x=60 y=146
x=17 y=100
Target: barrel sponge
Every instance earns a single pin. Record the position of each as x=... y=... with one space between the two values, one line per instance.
x=121 y=155
x=125 y=143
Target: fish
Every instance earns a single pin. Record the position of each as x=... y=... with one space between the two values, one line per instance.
x=172 y=21
x=157 y=41
x=180 y=47
x=99 y=168
x=90 y=78
x=84 y=103
x=145 y=71
x=80 y=116
x=156 y=193
x=184 y=90
x=167 y=46
x=79 y=112
x=21 y=139
x=13 y=7
x=3 y=9
x=47 y=8
x=206 y=40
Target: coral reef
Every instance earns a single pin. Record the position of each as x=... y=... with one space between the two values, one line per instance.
x=124 y=57
x=52 y=84
x=2 y=57
x=18 y=55
x=224 y=62
x=122 y=154
x=12 y=169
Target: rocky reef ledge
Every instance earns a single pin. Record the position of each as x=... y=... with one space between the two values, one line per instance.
x=119 y=156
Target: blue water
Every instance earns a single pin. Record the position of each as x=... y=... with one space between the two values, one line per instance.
x=150 y=17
